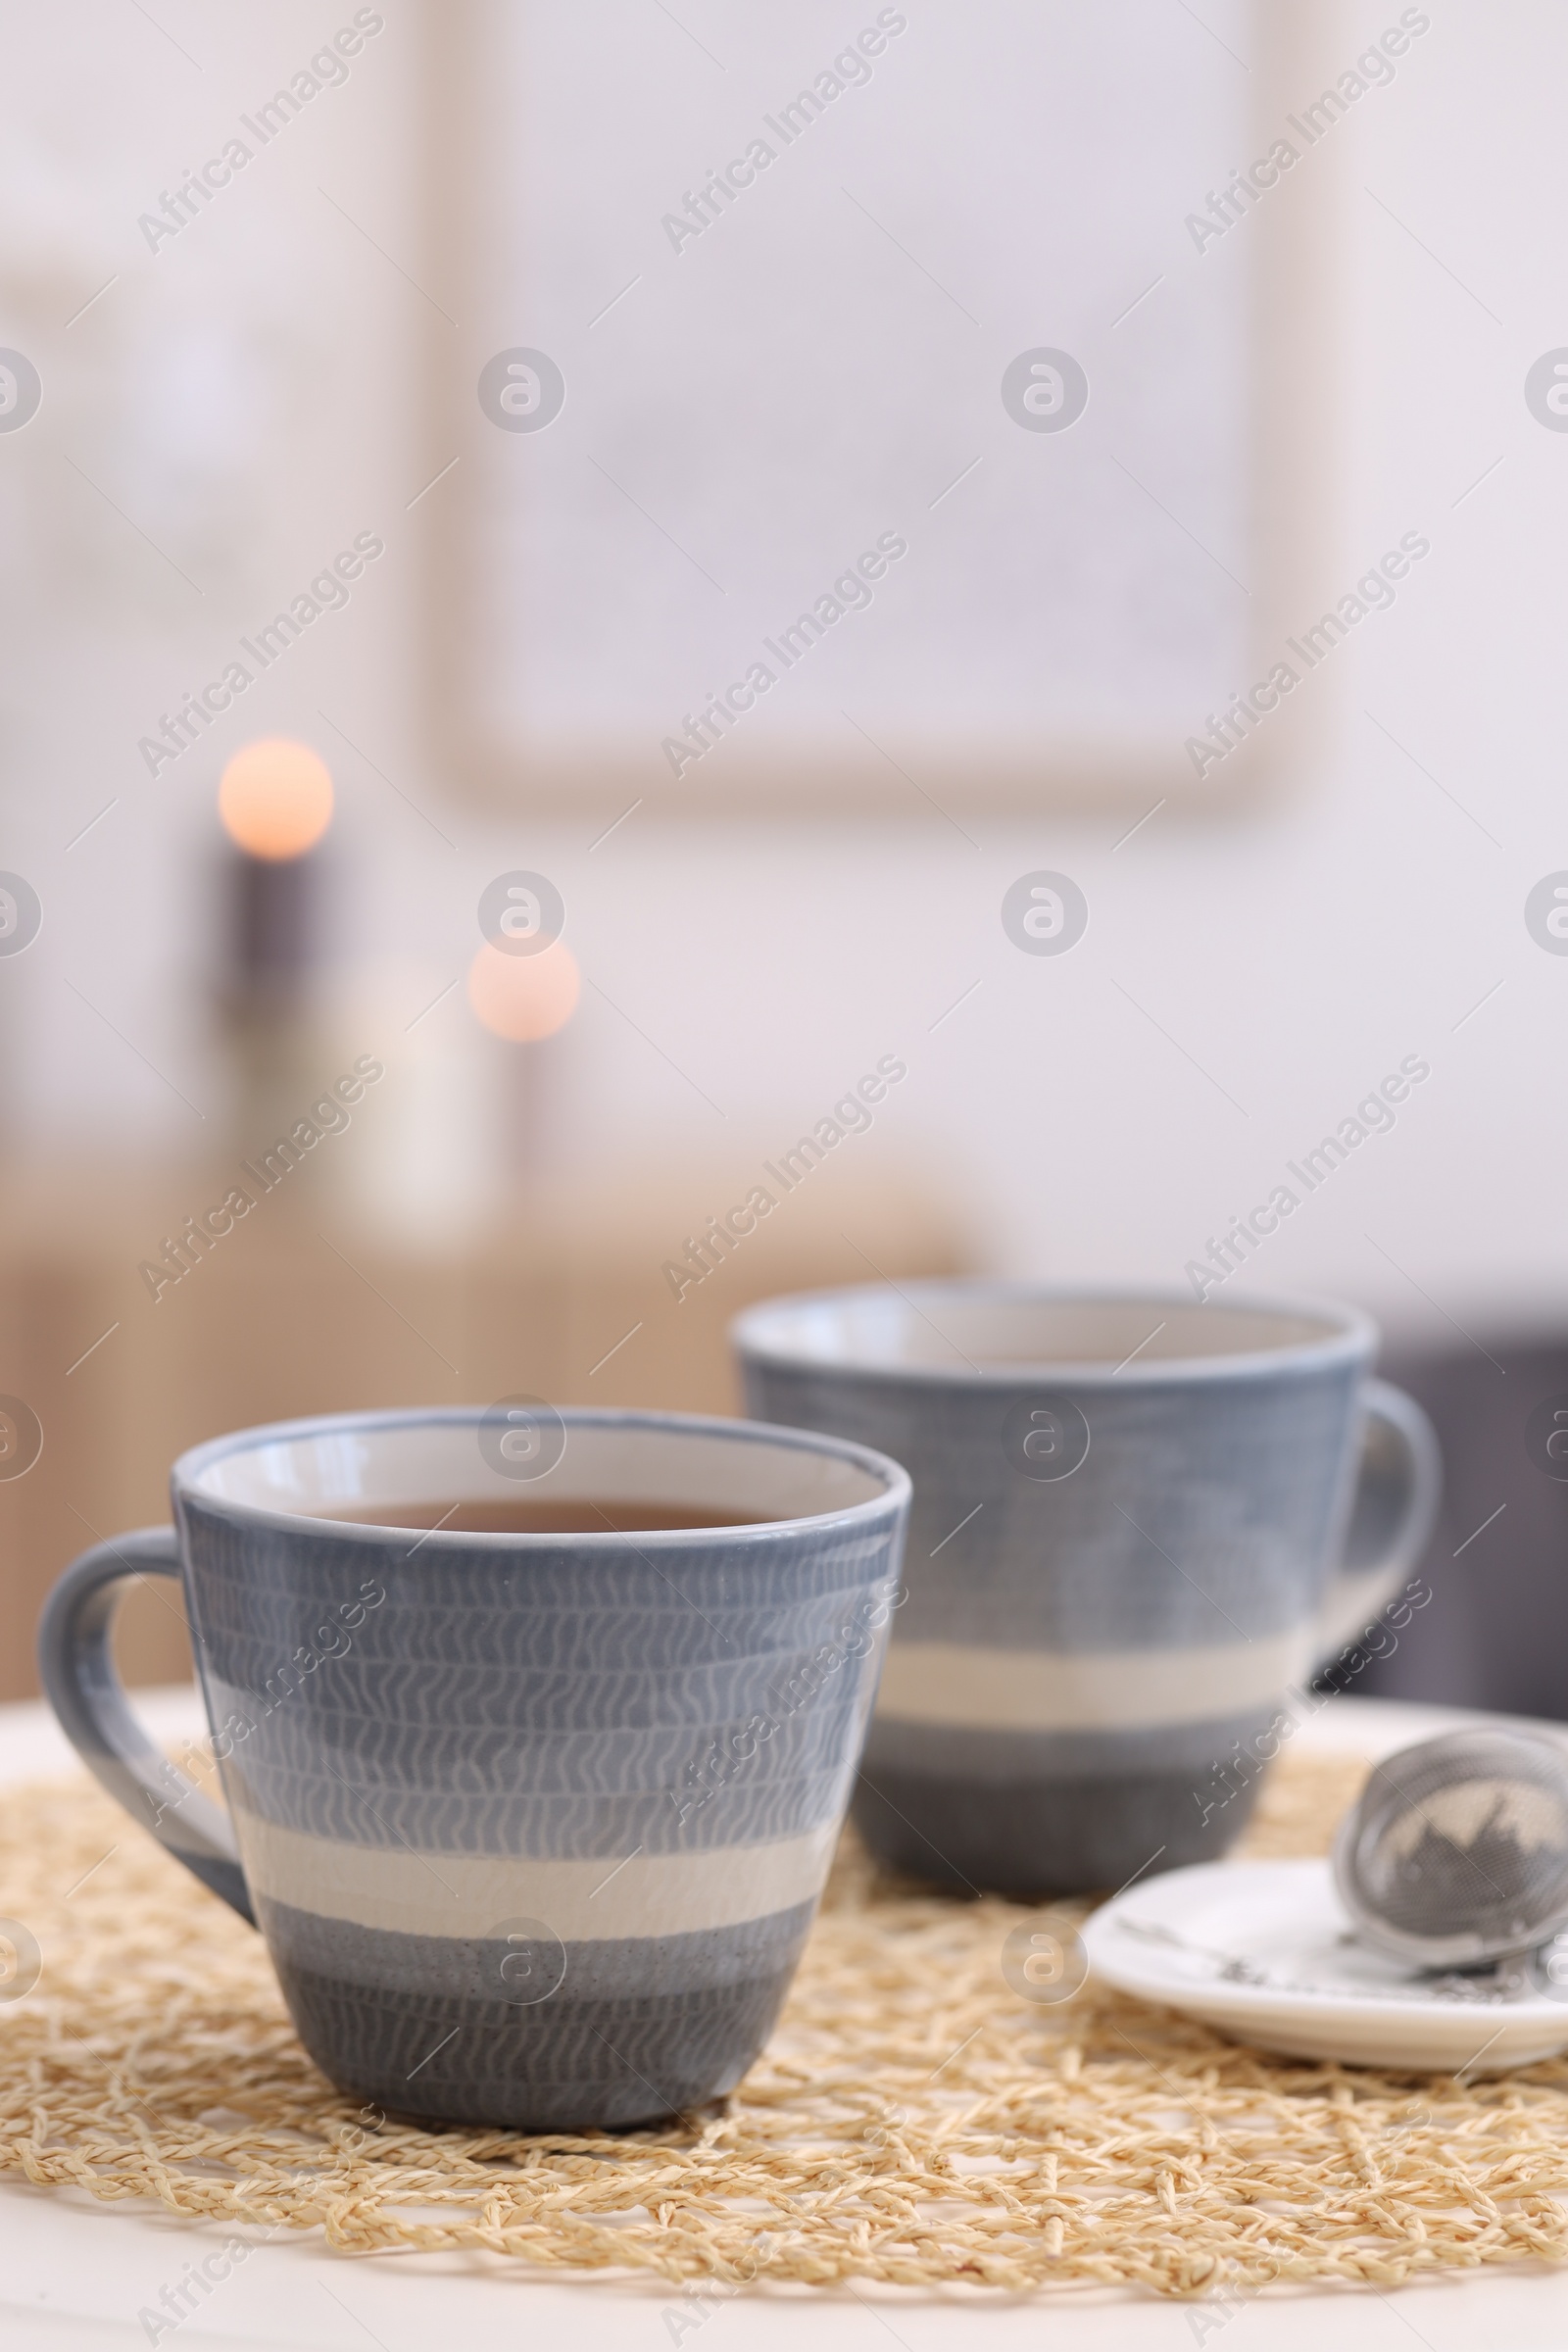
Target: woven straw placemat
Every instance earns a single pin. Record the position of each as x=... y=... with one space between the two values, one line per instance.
x=913 y=2119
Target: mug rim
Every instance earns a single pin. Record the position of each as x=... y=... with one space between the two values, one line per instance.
x=188 y=1467
x=1353 y=1335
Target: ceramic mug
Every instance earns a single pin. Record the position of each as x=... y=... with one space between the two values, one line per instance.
x=1135 y=1520
x=534 y=1825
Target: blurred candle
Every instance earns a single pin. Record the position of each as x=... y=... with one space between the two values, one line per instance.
x=275 y=801
x=526 y=1001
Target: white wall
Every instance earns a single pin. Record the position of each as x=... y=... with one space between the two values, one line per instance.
x=248 y=394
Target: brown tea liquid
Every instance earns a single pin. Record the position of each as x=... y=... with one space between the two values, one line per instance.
x=539 y=1515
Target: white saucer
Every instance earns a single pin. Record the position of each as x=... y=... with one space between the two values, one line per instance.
x=1264 y=1952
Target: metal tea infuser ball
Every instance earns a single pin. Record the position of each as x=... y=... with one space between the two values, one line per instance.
x=1456 y=1850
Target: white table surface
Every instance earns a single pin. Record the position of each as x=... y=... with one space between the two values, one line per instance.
x=73 y=2273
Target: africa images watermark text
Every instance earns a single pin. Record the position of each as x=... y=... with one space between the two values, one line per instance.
x=1373 y=70
x=326 y=593
x=850 y=592
x=850 y=69
x=705 y=1253
x=1373 y=592
x=1372 y=1116
x=327 y=69
x=198 y=1236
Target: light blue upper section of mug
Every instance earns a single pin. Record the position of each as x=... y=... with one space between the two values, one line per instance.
x=1204 y=1512
x=534 y=1699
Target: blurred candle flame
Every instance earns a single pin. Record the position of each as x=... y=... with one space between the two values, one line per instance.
x=276 y=797
x=524 y=998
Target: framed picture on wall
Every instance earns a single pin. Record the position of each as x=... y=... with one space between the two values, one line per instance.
x=900 y=409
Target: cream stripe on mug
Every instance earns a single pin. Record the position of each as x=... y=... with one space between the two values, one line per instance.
x=949 y=1683
x=418 y=1894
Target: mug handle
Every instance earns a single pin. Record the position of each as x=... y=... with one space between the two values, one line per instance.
x=1392 y=1515
x=77 y=1666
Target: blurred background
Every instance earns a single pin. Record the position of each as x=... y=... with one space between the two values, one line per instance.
x=226 y=399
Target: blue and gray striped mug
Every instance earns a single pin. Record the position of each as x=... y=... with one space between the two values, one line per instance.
x=534 y=1822
x=1136 y=1522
